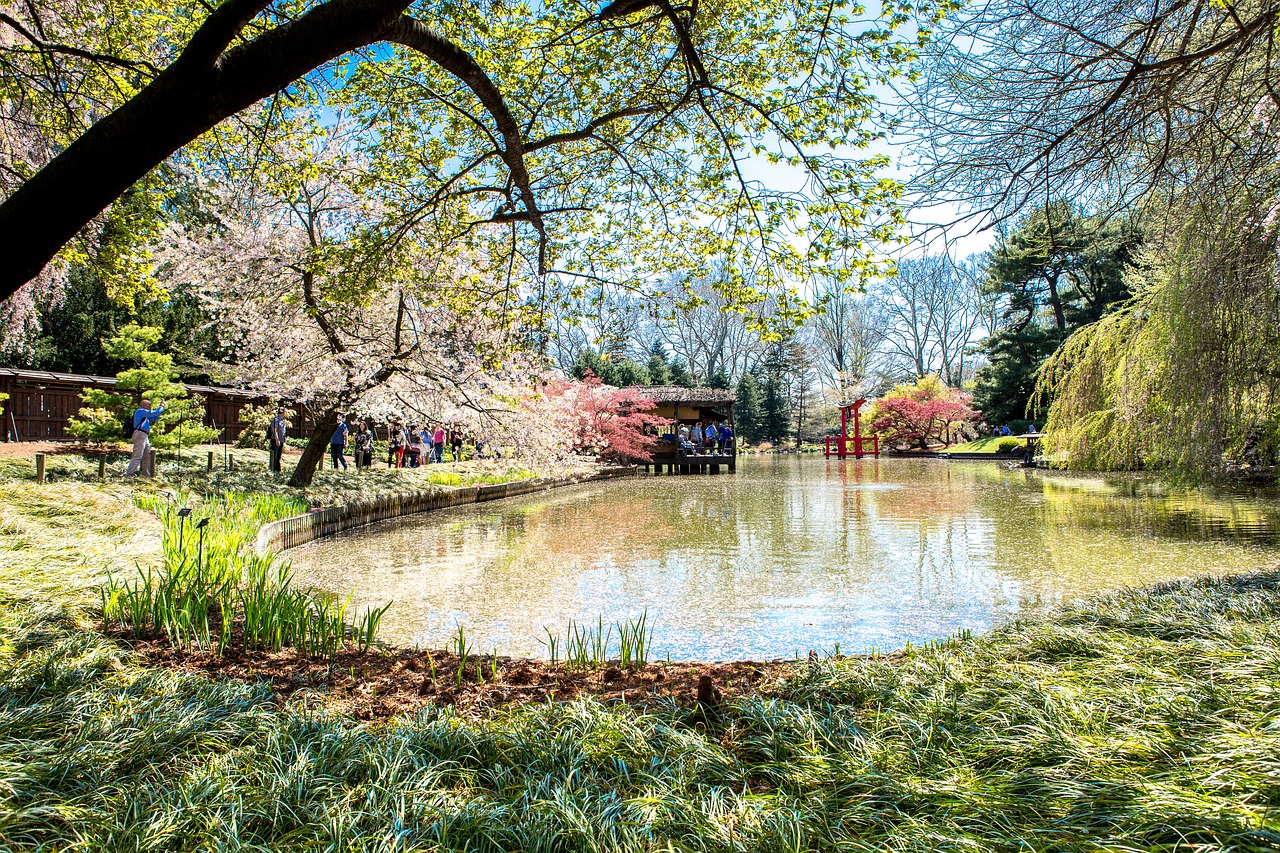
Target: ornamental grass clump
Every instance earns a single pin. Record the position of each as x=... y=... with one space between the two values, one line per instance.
x=212 y=588
x=1144 y=721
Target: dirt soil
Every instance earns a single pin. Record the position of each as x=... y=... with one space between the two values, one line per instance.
x=385 y=682
x=28 y=449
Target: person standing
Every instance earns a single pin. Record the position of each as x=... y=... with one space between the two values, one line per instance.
x=455 y=442
x=395 y=445
x=437 y=444
x=143 y=417
x=276 y=434
x=364 y=446
x=697 y=436
x=338 y=444
x=413 y=448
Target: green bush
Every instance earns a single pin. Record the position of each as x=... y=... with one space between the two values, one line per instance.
x=1008 y=446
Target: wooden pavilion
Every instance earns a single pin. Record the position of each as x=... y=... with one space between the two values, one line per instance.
x=690 y=406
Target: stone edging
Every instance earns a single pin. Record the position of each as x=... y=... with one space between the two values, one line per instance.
x=277 y=536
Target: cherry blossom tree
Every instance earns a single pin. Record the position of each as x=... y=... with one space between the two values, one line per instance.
x=607 y=422
x=317 y=307
x=921 y=412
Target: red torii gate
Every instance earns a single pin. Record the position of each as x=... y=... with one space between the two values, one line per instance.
x=838 y=445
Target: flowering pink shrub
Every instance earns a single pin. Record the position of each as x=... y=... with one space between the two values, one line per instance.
x=918 y=413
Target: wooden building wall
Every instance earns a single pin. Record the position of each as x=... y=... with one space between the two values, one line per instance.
x=38 y=408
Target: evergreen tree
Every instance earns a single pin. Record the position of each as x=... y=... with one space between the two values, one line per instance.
x=73 y=332
x=659 y=369
x=746 y=411
x=775 y=409
x=590 y=361
x=1056 y=271
x=150 y=377
x=631 y=373
x=719 y=379
x=680 y=374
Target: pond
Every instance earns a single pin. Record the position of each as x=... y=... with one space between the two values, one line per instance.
x=789 y=554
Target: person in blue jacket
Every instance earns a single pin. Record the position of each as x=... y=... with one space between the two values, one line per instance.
x=338 y=444
x=143 y=417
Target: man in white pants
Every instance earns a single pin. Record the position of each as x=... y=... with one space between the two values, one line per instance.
x=143 y=418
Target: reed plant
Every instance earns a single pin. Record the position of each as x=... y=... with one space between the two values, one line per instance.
x=211 y=581
x=588 y=646
x=634 y=637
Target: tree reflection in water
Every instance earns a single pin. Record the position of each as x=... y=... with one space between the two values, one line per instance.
x=788 y=554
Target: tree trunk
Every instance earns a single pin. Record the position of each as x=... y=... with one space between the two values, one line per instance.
x=315 y=449
x=188 y=98
x=1056 y=301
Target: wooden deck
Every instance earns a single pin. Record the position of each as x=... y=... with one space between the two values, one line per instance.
x=692 y=462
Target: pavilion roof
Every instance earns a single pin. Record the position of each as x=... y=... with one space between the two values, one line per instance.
x=692 y=396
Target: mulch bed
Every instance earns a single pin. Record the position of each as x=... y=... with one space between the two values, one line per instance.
x=386 y=682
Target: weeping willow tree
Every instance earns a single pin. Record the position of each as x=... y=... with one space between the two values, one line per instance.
x=1185 y=376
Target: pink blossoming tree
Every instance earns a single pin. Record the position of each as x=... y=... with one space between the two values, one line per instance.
x=916 y=414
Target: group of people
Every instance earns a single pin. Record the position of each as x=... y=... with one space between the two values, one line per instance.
x=407 y=446
x=713 y=437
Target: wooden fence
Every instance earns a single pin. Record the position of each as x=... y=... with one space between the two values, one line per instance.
x=40 y=403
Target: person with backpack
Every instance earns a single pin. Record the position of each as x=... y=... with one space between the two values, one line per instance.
x=143 y=417
x=277 y=431
x=338 y=444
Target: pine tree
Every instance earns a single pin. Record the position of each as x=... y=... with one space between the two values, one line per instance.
x=746 y=411
x=631 y=373
x=659 y=369
x=775 y=409
x=104 y=412
x=719 y=379
x=680 y=374
x=590 y=361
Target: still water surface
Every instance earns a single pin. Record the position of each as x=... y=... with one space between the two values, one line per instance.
x=787 y=555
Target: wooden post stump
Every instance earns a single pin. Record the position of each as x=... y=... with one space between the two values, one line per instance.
x=102 y=467
x=39 y=467
x=210 y=460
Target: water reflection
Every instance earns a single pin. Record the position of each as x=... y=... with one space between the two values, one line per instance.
x=787 y=555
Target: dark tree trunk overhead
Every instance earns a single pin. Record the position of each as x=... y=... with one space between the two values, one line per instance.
x=316 y=447
x=204 y=86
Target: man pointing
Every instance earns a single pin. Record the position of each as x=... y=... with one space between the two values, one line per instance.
x=143 y=418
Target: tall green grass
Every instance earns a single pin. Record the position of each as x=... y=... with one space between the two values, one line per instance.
x=586 y=646
x=212 y=588
x=1145 y=721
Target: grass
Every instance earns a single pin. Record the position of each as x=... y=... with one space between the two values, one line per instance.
x=1144 y=720
x=990 y=444
x=329 y=488
x=212 y=589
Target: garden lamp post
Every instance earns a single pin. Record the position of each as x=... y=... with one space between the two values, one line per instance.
x=204 y=522
x=182 y=524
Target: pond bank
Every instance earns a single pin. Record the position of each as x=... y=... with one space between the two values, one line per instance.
x=1139 y=721
x=277 y=536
